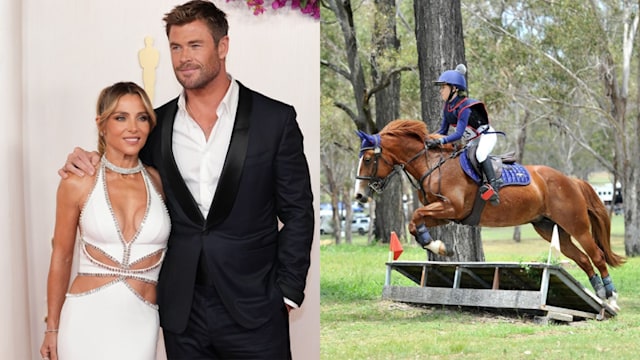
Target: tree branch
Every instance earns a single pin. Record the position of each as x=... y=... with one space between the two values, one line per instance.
x=533 y=49
x=335 y=68
x=386 y=80
x=344 y=107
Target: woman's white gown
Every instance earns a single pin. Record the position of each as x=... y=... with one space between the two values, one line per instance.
x=114 y=321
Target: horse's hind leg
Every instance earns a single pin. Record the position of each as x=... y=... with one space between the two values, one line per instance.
x=569 y=249
x=597 y=257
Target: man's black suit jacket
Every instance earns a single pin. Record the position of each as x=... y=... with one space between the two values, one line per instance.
x=265 y=177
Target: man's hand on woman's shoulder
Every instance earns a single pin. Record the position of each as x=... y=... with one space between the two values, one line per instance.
x=80 y=162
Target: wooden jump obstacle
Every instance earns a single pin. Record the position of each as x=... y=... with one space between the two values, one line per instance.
x=546 y=291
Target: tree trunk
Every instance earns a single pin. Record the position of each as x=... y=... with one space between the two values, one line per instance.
x=344 y=13
x=626 y=161
x=337 y=230
x=631 y=200
x=389 y=214
x=521 y=140
x=626 y=147
x=440 y=45
x=371 y=234
x=348 y=214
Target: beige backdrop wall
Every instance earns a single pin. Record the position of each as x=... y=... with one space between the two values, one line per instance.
x=59 y=54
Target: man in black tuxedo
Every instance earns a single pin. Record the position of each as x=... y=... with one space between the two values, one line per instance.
x=238 y=191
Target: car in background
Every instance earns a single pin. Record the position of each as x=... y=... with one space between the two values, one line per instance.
x=326 y=225
x=360 y=225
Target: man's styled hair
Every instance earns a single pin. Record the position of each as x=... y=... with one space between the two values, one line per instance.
x=214 y=18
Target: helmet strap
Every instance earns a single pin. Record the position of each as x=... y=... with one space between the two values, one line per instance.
x=452 y=92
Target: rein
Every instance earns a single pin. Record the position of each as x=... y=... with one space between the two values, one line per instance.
x=430 y=171
x=378 y=184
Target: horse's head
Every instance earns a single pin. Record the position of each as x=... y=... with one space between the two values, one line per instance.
x=390 y=152
x=374 y=168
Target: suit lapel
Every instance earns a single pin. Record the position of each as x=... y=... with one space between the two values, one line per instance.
x=232 y=170
x=175 y=181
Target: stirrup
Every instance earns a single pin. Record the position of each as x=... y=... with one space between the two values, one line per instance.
x=487 y=193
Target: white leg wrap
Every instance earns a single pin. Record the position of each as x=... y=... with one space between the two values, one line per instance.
x=437 y=247
x=612 y=301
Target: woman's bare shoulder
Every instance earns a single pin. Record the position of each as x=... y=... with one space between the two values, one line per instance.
x=76 y=186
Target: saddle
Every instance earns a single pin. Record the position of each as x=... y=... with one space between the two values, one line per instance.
x=506 y=168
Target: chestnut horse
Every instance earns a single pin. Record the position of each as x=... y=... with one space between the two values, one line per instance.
x=448 y=194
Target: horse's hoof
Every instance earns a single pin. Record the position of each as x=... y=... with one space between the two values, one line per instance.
x=438 y=247
x=612 y=301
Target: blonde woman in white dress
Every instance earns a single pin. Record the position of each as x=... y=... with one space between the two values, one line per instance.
x=109 y=310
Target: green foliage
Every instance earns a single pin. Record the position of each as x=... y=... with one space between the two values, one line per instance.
x=540 y=60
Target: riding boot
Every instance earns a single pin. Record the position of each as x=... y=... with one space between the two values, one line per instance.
x=489 y=190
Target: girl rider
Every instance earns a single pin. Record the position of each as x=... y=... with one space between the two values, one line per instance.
x=470 y=119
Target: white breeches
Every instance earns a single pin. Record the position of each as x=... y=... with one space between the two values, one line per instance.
x=486 y=143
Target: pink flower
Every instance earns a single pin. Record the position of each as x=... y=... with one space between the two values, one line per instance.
x=312 y=7
x=277 y=4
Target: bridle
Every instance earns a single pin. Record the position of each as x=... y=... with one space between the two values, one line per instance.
x=378 y=184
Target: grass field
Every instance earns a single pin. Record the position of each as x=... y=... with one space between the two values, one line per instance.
x=357 y=324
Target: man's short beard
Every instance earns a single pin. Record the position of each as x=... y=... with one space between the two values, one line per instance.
x=200 y=82
x=195 y=84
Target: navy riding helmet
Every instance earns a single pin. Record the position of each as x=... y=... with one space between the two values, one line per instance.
x=454 y=77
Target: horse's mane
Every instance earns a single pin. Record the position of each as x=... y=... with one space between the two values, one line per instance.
x=412 y=128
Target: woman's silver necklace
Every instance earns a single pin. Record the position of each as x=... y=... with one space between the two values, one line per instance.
x=120 y=170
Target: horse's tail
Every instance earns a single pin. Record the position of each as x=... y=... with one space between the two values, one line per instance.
x=600 y=223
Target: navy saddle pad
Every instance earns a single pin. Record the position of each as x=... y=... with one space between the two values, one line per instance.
x=512 y=174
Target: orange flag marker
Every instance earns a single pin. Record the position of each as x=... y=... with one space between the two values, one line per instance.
x=395 y=246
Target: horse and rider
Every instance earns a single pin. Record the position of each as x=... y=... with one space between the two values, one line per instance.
x=453 y=184
x=470 y=119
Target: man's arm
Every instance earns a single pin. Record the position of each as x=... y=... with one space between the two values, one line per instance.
x=295 y=210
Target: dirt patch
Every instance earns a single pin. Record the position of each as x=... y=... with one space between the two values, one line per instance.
x=479 y=314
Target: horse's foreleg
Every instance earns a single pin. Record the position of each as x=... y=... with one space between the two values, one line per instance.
x=423 y=218
x=434 y=214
